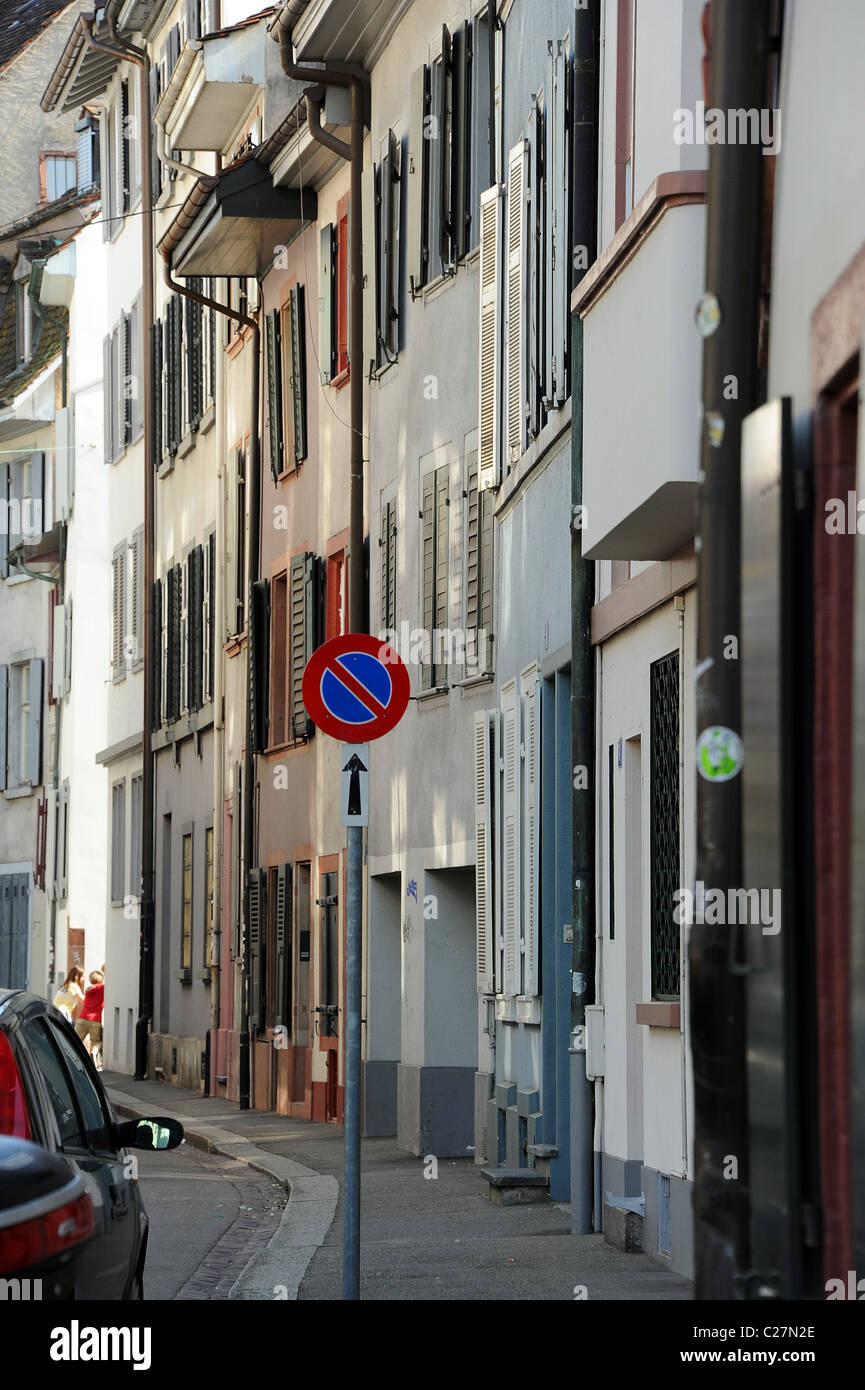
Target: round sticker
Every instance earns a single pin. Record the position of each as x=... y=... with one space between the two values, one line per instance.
x=720 y=754
x=708 y=314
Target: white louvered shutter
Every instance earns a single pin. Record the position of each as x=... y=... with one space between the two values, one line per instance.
x=489 y=370
x=510 y=858
x=515 y=322
x=530 y=824
x=483 y=863
x=67 y=670
x=118 y=603
x=58 y=655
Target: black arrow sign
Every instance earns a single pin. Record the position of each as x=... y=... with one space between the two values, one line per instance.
x=355 y=767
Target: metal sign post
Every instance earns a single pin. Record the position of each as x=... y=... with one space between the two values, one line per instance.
x=354 y=687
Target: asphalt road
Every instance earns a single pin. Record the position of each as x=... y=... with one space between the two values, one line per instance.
x=208 y=1216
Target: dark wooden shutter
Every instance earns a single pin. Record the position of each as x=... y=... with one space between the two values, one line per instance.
x=195 y=626
x=428 y=568
x=4 y=712
x=283 y=945
x=327 y=303
x=193 y=19
x=156 y=421
x=156 y=655
x=388 y=564
x=443 y=147
x=174 y=653
x=273 y=352
x=297 y=314
x=155 y=80
x=259 y=638
x=194 y=356
x=211 y=617
x=257 y=916
x=107 y=401
x=462 y=126
x=212 y=331
x=4 y=532
x=173 y=50
x=298 y=615
x=34 y=730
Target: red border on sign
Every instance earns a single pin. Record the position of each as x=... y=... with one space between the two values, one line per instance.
x=323 y=659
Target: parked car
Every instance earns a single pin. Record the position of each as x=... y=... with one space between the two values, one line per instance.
x=75 y=1219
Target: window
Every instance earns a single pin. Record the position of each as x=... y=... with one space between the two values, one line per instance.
x=336 y=592
x=23 y=322
x=22 y=505
x=209 y=885
x=282 y=947
x=279 y=715
x=334 y=324
x=95 y=1127
x=183 y=620
x=135 y=838
x=300 y=1032
x=21 y=724
x=304 y=633
x=58 y=1086
x=136 y=605
x=57 y=175
x=186 y=907
x=381 y=189
x=285 y=334
x=208 y=604
x=259 y=641
x=87 y=165
x=14 y=930
x=194 y=643
x=183 y=641
x=387 y=546
x=61 y=861
x=624 y=111
x=121 y=385
x=479 y=568
x=257 y=925
x=118 y=842
x=329 y=902
x=664 y=823
x=237 y=604
x=451 y=149
x=173 y=650
x=434 y=574
x=121 y=181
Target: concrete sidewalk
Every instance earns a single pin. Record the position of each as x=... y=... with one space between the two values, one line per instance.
x=422 y=1237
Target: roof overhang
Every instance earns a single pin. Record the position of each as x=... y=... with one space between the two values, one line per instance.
x=43 y=549
x=231 y=223
x=348 y=31
x=215 y=84
x=82 y=73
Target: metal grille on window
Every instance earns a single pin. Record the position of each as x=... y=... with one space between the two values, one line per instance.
x=664 y=821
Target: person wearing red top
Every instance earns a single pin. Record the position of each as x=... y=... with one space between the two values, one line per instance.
x=88 y=1024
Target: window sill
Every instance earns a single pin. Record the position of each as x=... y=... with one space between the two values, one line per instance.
x=208 y=419
x=205 y=976
x=278 y=750
x=288 y=474
x=186 y=445
x=12 y=793
x=341 y=378
x=235 y=644
x=184 y=976
x=235 y=345
x=439 y=285
x=471 y=682
x=660 y=1013
x=166 y=466
x=438 y=691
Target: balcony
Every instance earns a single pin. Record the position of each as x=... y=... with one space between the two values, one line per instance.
x=642 y=363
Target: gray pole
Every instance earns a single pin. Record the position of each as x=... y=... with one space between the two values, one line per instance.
x=351 y=1177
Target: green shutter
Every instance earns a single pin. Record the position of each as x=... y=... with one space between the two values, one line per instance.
x=259 y=645
x=298 y=644
x=297 y=312
x=327 y=304
x=274 y=391
x=283 y=945
x=156 y=655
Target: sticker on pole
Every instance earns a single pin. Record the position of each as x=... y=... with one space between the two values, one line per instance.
x=355 y=688
x=720 y=754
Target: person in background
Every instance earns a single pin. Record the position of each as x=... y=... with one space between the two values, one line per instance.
x=88 y=1025
x=70 y=995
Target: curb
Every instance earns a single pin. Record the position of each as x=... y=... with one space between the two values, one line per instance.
x=278 y=1269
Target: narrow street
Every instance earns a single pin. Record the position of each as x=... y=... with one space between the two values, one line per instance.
x=208 y=1216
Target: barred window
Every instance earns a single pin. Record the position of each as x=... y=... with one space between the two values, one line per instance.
x=664 y=821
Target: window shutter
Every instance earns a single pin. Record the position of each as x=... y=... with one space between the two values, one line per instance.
x=4 y=532
x=34 y=728
x=4 y=712
x=194 y=363
x=515 y=328
x=118 y=610
x=257 y=915
x=442 y=512
x=62 y=851
x=195 y=624
x=157 y=648
x=510 y=851
x=473 y=557
x=283 y=942
x=428 y=570
x=155 y=80
x=326 y=303
x=137 y=605
x=462 y=140
x=120 y=386
x=84 y=178
x=193 y=20
x=174 y=372
x=387 y=544
x=38 y=509
x=483 y=848
x=485 y=607
x=174 y=600
x=107 y=401
x=184 y=643
x=489 y=371
x=298 y=641
x=530 y=826
x=297 y=317
x=64 y=462
x=58 y=653
x=173 y=50
x=210 y=611
x=389 y=193
x=259 y=638
x=212 y=331
x=537 y=312
x=156 y=400
x=274 y=391
x=445 y=154
x=123 y=181
x=557 y=214
x=67 y=669
x=371 y=221
x=418 y=180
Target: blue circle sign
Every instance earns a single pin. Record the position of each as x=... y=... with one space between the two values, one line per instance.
x=355 y=688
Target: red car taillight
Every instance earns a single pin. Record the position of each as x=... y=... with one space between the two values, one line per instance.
x=14 y=1114
x=38 y=1239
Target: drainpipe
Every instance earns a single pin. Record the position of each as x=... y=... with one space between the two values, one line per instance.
x=218 y=602
x=586 y=67
x=254 y=507
x=137 y=56
x=738 y=71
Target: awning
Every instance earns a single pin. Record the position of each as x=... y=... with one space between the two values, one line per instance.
x=231 y=222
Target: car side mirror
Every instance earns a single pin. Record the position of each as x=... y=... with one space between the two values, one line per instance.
x=156 y=1133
